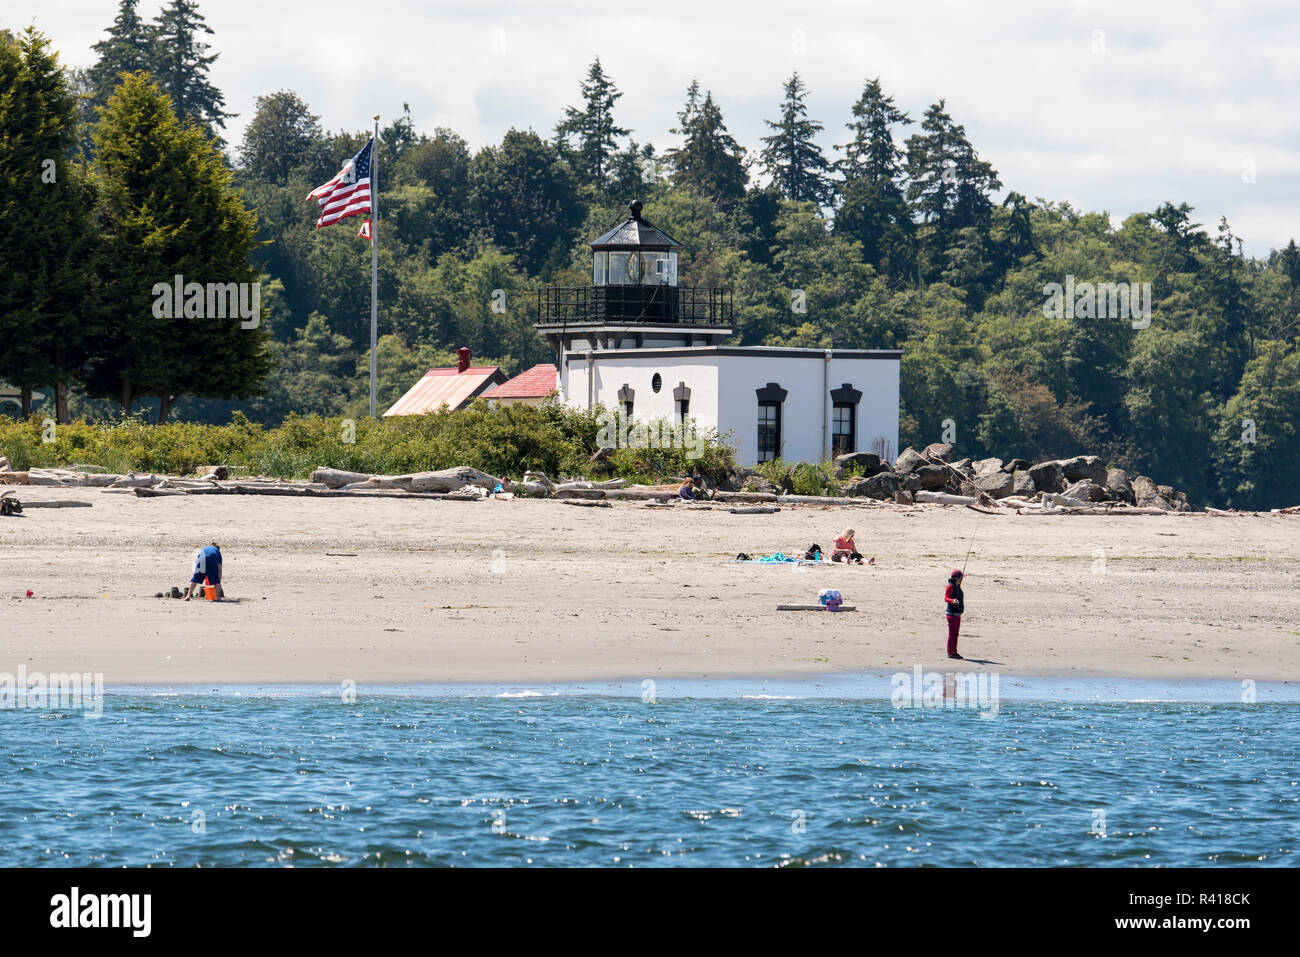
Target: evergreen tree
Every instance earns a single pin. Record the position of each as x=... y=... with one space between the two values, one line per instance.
x=1256 y=465
x=873 y=206
x=128 y=48
x=593 y=126
x=182 y=63
x=168 y=208
x=1235 y=325
x=634 y=172
x=792 y=157
x=709 y=161
x=1289 y=262
x=949 y=186
x=47 y=306
x=872 y=153
x=399 y=134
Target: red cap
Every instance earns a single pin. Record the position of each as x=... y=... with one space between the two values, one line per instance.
x=956 y=573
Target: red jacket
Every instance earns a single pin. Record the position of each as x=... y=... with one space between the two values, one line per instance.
x=954 y=600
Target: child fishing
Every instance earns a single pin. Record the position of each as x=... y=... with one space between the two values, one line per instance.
x=955 y=604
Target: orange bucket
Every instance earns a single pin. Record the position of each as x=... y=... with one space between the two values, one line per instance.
x=209 y=590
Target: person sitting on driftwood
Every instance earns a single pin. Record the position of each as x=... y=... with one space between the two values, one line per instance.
x=846 y=551
x=694 y=490
x=207 y=564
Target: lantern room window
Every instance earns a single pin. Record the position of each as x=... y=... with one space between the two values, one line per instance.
x=646 y=268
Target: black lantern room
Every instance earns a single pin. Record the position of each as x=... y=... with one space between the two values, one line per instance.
x=633 y=281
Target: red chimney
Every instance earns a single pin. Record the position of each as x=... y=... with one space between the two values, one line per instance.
x=462 y=359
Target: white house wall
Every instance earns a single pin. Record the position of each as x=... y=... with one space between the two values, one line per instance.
x=808 y=404
x=724 y=394
x=613 y=371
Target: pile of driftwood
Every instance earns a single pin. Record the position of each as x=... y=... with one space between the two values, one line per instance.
x=471 y=485
x=463 y=484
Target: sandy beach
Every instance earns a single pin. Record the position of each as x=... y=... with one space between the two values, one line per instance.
x=417 y=591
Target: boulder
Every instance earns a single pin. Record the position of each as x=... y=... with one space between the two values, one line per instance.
x=909 y=483
x=1048 y=477
x=864 y=463
x=1147 y=494
x=1121 y=489
x=995 y=483
x=963 y=466
x=882 y=485
x=1082 y=467
x=909 y=461
x=984 y=466
x=942 y=451
x=1022 y=484
x=1017 y=465
x=1087 y=491
x=932 y=476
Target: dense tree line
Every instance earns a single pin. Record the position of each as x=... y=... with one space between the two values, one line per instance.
x=903 y=237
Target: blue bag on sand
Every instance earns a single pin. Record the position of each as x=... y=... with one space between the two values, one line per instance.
x=830 y=597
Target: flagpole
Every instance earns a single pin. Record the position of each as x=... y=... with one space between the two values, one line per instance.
x=374 y=263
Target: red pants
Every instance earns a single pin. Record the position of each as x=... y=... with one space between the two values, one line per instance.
x=954 y=626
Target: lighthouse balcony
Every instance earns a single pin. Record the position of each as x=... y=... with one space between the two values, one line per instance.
x=634 y=304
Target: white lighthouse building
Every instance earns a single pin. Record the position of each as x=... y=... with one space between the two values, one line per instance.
x=635 y=342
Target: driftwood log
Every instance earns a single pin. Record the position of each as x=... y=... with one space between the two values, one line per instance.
x=589 y=494
x=754 y=510
x=639 y=493
x=611 y=484
x=744 y=497
x=944 y=498
x=446 y=480
x=815 y=608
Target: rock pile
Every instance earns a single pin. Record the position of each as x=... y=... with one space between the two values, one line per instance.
x=1083 y=478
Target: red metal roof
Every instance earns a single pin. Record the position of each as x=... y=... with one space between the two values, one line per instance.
x=439 y=387
x=535 y=383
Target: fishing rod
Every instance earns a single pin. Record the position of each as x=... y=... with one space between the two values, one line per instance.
x=968 y=550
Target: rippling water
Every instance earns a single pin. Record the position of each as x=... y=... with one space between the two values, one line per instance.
x=303 y=779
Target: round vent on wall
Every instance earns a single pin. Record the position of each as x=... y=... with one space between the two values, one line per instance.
x=657 y=382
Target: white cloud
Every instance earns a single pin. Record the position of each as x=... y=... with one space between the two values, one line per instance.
x=1169 y=107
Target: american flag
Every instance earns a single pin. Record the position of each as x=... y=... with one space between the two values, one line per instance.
x=348 y=193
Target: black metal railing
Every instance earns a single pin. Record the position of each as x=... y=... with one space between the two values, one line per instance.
x=632 y=304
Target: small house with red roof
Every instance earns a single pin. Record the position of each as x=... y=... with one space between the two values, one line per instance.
x=531 y=387
x=453 y=388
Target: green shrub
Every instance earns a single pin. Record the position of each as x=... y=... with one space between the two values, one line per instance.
x=505 y=441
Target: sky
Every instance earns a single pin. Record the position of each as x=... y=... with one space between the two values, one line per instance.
x=1114 y=106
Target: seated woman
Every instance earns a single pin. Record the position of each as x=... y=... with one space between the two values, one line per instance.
x=845 y=550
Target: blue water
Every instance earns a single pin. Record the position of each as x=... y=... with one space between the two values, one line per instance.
x=468 y=777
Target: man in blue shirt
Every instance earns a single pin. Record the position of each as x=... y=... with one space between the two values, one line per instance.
x=207 y=564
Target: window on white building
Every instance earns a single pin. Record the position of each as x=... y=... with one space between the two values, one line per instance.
x=843 y=429
x=769 y=431
x=844 y=419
